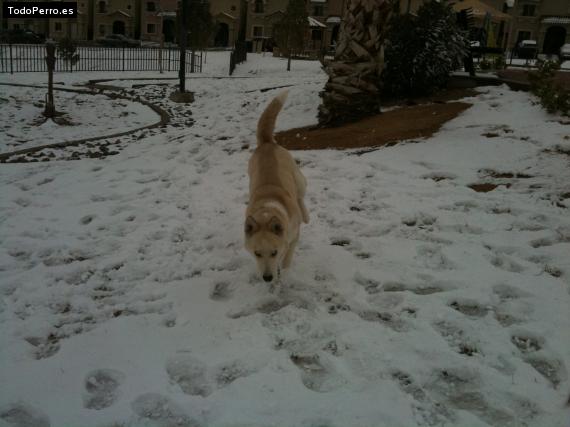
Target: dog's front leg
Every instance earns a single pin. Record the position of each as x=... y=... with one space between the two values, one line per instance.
x=277 y=285
x=289 y=255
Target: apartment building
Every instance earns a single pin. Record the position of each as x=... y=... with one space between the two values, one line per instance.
x=158 y=20
x=116 y=17
x=262 y=15
x=546 y=21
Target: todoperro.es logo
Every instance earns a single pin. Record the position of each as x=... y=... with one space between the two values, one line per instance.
x=39 y=9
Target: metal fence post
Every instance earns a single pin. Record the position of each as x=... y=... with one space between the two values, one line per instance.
x=11 y=61
x=123 y=58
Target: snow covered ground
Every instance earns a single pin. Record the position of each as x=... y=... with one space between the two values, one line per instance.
x=128 y=299
x=23 y=125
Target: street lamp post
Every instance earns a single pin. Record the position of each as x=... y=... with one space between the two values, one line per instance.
x=183 y=40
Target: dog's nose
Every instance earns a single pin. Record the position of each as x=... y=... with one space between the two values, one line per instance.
x=268 y=277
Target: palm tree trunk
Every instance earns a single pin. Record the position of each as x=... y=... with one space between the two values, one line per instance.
x=353 y=88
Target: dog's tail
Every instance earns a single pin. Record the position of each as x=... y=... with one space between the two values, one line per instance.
x=266 y=124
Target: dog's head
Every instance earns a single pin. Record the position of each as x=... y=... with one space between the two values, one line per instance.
x=265 y=239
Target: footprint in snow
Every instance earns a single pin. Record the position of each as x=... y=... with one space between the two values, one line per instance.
x=426 y=289
x=507 y=292
x=505 y=263
x=390 y=320
x=221 y=291
x=527 y=343
x=432 y=256
x=102 y=388
x=86 y=219
x=552 y=370
x=432 y=413
x=457 y=339
x=471 y=309
x=196 y=379
x=163 y=411
x=316 y=374
x=23 y=415
x=190 y=374
x=459 y=389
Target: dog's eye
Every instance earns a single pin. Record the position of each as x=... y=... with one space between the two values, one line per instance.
x=273 y=254
x=257 y=254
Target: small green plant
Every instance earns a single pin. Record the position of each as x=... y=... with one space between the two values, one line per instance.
x=485 y=64
x=67 y=51
x=499 y=62
x=553 y=97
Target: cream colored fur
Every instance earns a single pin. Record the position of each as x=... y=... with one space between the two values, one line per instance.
x=276 y=191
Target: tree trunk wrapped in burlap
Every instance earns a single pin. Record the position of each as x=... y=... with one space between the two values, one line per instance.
x=353 y=88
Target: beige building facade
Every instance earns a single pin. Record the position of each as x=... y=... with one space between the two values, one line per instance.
x=546 y=21
x=262 y=15
x=115 y=17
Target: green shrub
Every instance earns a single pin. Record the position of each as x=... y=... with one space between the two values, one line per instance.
x=421 y=51
x=485 y=64
x=499 y=62
x=67 y=50
x=553 y=97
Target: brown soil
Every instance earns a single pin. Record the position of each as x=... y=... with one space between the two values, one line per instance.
x=486 y=187
x=419 y=121
x=562 y=77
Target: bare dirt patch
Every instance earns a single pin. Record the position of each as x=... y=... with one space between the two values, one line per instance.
x=406 y=123
x=486 y=187
x=521 y=76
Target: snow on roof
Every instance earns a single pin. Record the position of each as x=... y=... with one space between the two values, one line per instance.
x=333 y=20
x=166 y=13
x=314 y=23
x=556 y=20
x=120 y=12
x=227 y=15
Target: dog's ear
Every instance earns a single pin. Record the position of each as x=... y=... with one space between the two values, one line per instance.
x=275 y=226
x=251 y=226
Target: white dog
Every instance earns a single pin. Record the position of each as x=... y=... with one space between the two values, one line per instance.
x=276 y=191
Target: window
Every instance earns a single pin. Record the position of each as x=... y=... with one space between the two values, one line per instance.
x=523 y=35
x=150 y=28
x=102 y=30
x=150 y=6
x=58 y=27
x=258 y=6
x=102 y=7
x=318 y=10
x=316 y=35
x=528 y=10
x=257 y=31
